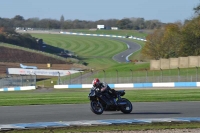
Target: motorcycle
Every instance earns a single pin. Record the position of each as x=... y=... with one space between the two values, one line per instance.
x=100 y=102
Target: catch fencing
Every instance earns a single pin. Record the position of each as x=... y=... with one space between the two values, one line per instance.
x=19 y=80
x=130 y=76
x=111 y=77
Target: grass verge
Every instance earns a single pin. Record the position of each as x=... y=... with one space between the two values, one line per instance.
x=79 y=96
x=156 y=127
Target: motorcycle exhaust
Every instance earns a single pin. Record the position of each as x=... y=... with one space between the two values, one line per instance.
x=122 y=103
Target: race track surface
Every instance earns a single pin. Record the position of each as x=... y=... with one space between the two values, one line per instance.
x=132 y=47
x=77 y=112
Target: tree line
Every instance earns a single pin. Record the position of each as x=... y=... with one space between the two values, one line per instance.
x=8 y=35
x=125 y=23
x=175 y=39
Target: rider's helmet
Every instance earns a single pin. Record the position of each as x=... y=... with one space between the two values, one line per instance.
x=96 y=82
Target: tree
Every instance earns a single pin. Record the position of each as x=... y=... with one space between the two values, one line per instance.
x=172 y=40
x=2 y=29
x=32 y=22
x=163 y=43
x=125 y=24
x=191 y=38
x=197 y=9
x=62 y=20
x=138 y=23
x=18 y=21
x=19 y=18
x=153 y=46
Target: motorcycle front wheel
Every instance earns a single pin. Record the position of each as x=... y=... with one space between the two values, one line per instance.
x=96 y=107
x=127 y=108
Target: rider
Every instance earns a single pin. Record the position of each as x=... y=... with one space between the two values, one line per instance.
x=104 y=87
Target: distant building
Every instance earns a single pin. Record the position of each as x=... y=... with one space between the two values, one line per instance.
x=107 y=28
x=100 y=27
x=114 y=28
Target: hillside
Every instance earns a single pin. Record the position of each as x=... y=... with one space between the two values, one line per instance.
x=17 y=55
x=11 y=58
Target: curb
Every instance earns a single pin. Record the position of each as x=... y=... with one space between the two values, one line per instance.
x=95 y=122
x=135 y=85
x=18 y=88
x=102 y=35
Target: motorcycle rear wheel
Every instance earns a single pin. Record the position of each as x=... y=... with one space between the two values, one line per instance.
x=96 y=107
x=126 y=109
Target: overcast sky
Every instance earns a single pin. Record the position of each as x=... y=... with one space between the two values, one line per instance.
x=163 y=10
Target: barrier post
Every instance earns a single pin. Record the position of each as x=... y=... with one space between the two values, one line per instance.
x=81 y=77
x=146 y=74
x=178 y=74
x=21 y=80
x=161 y=75
x=35 y=79
x=58 y=78
x=117 y=76
x=69 y=78
x=131 y=74
x=104 y=74
x=196 y=74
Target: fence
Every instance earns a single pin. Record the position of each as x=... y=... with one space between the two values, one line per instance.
x=111 y=77
x=20 y=80
x=130 y=76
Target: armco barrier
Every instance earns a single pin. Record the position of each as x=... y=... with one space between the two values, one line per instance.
x=18 y=88
x=102 y=35
x=134 y=85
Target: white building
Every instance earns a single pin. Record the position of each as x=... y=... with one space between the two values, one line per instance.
x=114 y=28
x=100 y=27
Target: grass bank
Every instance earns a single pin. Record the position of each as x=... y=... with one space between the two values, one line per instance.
x=154 y=127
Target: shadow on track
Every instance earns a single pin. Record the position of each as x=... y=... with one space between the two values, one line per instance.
x=146 y=113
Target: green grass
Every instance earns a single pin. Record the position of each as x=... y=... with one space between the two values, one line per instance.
x=96 y=51
x=113 y=128
x=111 y=32
x=79 y=96
x=124 y=70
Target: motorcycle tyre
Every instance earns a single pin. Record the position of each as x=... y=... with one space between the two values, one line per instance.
x=93 y=109
x=130 y=105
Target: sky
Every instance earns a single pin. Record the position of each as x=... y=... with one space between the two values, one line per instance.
x=167 y=11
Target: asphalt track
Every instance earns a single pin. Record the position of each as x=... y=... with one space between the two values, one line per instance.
x=123 y=56
x=77 y=112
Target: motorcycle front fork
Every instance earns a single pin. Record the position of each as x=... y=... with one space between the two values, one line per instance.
x=98 y=101
x=115 y=101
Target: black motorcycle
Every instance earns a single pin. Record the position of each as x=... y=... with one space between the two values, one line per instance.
x=100 y=102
